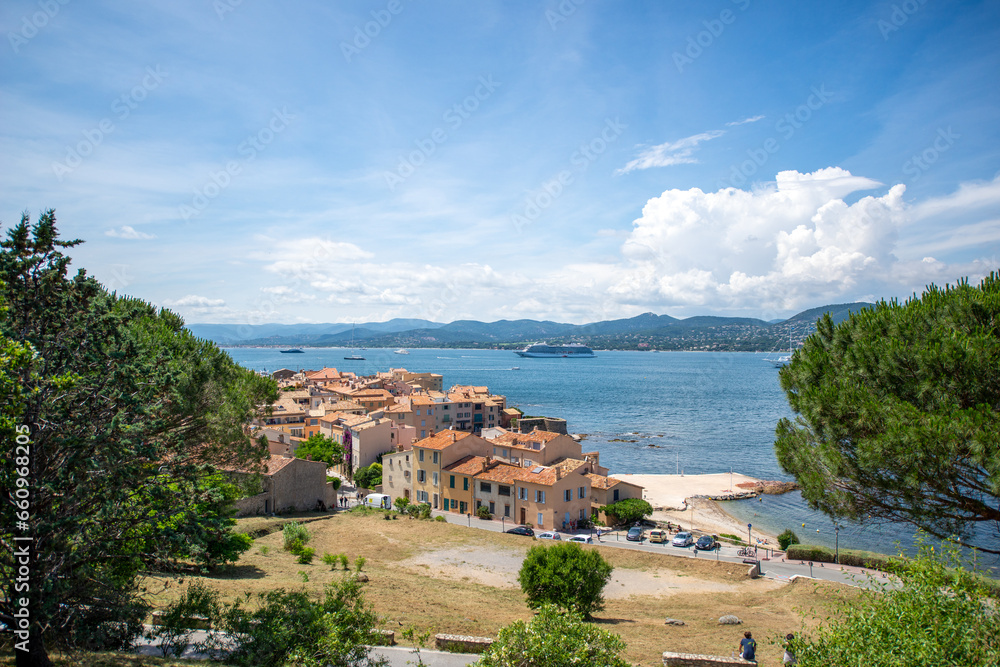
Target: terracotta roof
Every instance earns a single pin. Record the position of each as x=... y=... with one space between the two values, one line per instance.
x=505 y=473
x=520 y=439
x=325 y=374
x=600 y=481
x=442 y=439
x=470 y=465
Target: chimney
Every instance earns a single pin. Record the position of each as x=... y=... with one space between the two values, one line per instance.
x=558 y=473
x=454 y=437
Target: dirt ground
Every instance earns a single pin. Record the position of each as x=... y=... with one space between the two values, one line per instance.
x=439 y=577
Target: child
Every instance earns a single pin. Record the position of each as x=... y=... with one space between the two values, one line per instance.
x=748 y=647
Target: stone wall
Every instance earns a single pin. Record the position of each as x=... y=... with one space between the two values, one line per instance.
x=550 y=424
x=695 y=660
x=464 y=642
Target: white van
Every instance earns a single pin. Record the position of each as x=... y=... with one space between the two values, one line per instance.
x=378 y=500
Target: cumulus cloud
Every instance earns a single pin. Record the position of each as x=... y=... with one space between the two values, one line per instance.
x=670 y=153
x=127 y=232
x=793 y=244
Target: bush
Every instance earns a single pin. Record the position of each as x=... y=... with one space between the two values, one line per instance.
x=401 y=503
x=554 y=638
x=288 y=627
x=329 y=559
x=787 y=538
x=343 y=560
x=295 y=535
x=628 y=510
x=483 y=512
x=424 y=509
x=359 y=563
x=440 y=519
x=938 y=614
x=174 y=630
x=306 y=555
x=566 y=576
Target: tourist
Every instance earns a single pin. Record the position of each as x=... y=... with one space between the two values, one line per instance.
x=748 y=647
x=789 y=658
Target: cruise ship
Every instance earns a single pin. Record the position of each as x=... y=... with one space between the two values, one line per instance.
x=573 y=350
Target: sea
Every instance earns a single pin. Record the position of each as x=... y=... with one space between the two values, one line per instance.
x=645 y=412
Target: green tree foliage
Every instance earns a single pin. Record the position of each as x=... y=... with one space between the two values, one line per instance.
x=629 y=510
x=898 y=414
x=288 y=627
x=483 y=512
x=786 y=538
x=401 y=503
x=940 y=615
x=318 y=447
x=565 y=575
x=368 y=477
x=554 y=638
x=128 y=416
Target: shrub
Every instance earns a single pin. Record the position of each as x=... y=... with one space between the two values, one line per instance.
x=359 y=563
x=566 y=576
x=483 y=512
x=336 y=483
x=343 y=560
x=440 y=519
x=425 y=510
x=174 y=630
x=554 y=638
x=401 y=503
x=288 y=627
x=329 y=559
x=295 y=534
x=306 y=555
x=264 y=550
x=787 y=538
x=937 y=613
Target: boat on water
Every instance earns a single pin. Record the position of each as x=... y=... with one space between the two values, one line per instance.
x=543 y=350
x=401 y=351
x=292 y=351
x=354 y=356
x=780 y=362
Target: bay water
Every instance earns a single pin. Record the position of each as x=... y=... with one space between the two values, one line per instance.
x=645 y=412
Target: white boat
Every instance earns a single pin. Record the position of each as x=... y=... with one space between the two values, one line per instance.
x=542 y=350
x=354 y=356
x=784 y=359
x=401 y=351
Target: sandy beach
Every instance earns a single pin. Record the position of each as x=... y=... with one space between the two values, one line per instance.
x=671 y=498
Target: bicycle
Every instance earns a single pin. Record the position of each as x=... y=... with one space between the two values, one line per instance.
x=747 y=552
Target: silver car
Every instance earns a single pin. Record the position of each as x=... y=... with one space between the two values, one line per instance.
x=683 y=540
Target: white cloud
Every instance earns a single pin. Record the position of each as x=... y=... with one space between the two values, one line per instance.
x=194 y=301
x=751 y=119
x=670 y=153
x=127 y=232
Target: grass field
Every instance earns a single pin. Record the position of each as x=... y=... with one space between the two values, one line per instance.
x=439 y=577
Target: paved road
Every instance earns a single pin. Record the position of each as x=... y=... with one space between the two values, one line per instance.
x=771 y=567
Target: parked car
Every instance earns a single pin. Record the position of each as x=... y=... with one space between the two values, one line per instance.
x=549 y=535
x=683 y=540
x=635 y=534
x=522 y=530
x=706 y=543
x=658 y=536
x=586 y=539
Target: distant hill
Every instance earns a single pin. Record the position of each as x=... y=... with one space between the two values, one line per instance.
x=646 y=331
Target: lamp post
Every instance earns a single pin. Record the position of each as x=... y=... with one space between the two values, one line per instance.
x=749 y=541
x=836 y=529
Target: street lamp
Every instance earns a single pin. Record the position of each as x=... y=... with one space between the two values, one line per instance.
x=836 y=529
x=749 y=541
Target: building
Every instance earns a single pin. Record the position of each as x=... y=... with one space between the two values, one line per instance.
x=433 y=454
x=288 y=484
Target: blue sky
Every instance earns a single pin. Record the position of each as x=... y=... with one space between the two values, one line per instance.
x=247 y=162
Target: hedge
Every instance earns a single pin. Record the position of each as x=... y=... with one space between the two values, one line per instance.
x=819 y=554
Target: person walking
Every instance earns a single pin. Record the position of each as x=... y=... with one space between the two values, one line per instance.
x=748 y=647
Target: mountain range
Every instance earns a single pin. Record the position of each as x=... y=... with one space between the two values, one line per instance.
x=646 y=331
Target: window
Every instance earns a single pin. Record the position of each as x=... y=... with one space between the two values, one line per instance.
x=485 y=487
x=435 y=457
x=435 y=478
x=465 y=483
x=420 y=455
x=583 y=517
x=503 y=490
x=540 y=520
x=583 y=492
x=539 y=496
x=423 y=422
x=522 y=493
x=493 y=508
x=568 y=495
x=421 y=476
x=454 y=504
x=451 y=482
x=506 y=510
x=616 y=495
x=416 y=412
x=407 y=458
x=423 y=434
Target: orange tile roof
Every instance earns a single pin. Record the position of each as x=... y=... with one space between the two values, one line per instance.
x=505 y=473
x=516 y=439
x=442 y=439
x=600 y=481
x=470 y=465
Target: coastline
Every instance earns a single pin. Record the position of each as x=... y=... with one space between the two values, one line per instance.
x=673 y=499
